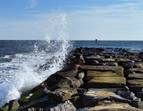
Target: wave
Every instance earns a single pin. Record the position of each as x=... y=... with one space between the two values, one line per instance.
x=26 y=70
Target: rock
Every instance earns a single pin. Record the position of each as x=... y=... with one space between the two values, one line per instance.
x=91 y=74
x=76 y=99
x=101 y=68
x=135 y=76
x=135 y=85
x=140 y=95
x=114 y=95
x=53 y=79
x=39 y=87
x=27 y=98
x=62 y=94
x=135 y=82
x=111 y=64
x=140 y=55
x=13 y=104
x=104 y=82
x=82 y=59
x=35 y=109
x=67 y=83
x=114 y=107
x=107 y=60
x=80 y=75
x=64 y=106
x=93 y=57
x=133 y=71
x=65 y=74
x=92 y=62
x=5 y=107
x=42 y=102
x=138 y=65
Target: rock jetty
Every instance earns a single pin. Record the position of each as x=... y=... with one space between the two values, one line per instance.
x=92 y=79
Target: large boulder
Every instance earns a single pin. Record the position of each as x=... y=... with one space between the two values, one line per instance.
x=67 y=83
x=64 y=106
x=61 y=94
x=13 y=105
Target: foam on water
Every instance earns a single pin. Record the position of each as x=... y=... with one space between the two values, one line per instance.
x=27 y=70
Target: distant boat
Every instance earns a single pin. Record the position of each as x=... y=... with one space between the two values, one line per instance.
x=96 y=41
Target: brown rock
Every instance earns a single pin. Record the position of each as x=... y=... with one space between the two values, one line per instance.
x=91 y=74
x=101 y=68
x=135 y=85
x=111 y=63
x=114 y=107
x=61 y=94
x=67 y=83
x=103 y=82
x=135 y=76
x=71 y=74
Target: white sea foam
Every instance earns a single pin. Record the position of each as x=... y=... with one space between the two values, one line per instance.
x=24 y=71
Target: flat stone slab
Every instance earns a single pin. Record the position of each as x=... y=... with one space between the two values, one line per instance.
x=136 y=85
x=103 y=82
x=135 y=76
x=136 y=70
x=94 y=57
x=99 y=58
x=94 y=96
x=114 y=107
x=91 y=74
x=124 y=60
x=135 y=82
x=100 y=68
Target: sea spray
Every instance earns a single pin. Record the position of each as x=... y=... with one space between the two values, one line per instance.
x=26 y=70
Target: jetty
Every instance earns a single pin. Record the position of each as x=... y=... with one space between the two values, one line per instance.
x=92 y=79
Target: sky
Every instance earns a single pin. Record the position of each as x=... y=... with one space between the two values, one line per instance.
x=75 y=19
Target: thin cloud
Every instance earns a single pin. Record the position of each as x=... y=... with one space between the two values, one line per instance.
x=33 y=4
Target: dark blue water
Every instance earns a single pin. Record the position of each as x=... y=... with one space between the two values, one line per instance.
x=11 y=47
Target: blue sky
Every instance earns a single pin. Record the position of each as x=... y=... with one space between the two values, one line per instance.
x=85 y=19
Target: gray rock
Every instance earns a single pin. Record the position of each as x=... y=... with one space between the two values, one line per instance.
x=13 y=104
x=80 y=75
x=64 y=106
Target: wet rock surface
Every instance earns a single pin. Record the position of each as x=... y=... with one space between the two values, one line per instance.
x=92 y=79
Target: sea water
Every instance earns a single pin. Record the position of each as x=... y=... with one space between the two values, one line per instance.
x=26 y=63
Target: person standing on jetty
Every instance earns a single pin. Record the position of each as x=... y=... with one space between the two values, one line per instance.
x=96 y=41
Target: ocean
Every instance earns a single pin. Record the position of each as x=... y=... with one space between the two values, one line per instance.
x=20 y=61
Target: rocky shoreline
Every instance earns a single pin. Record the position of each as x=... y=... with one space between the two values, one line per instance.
x=93 y=79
